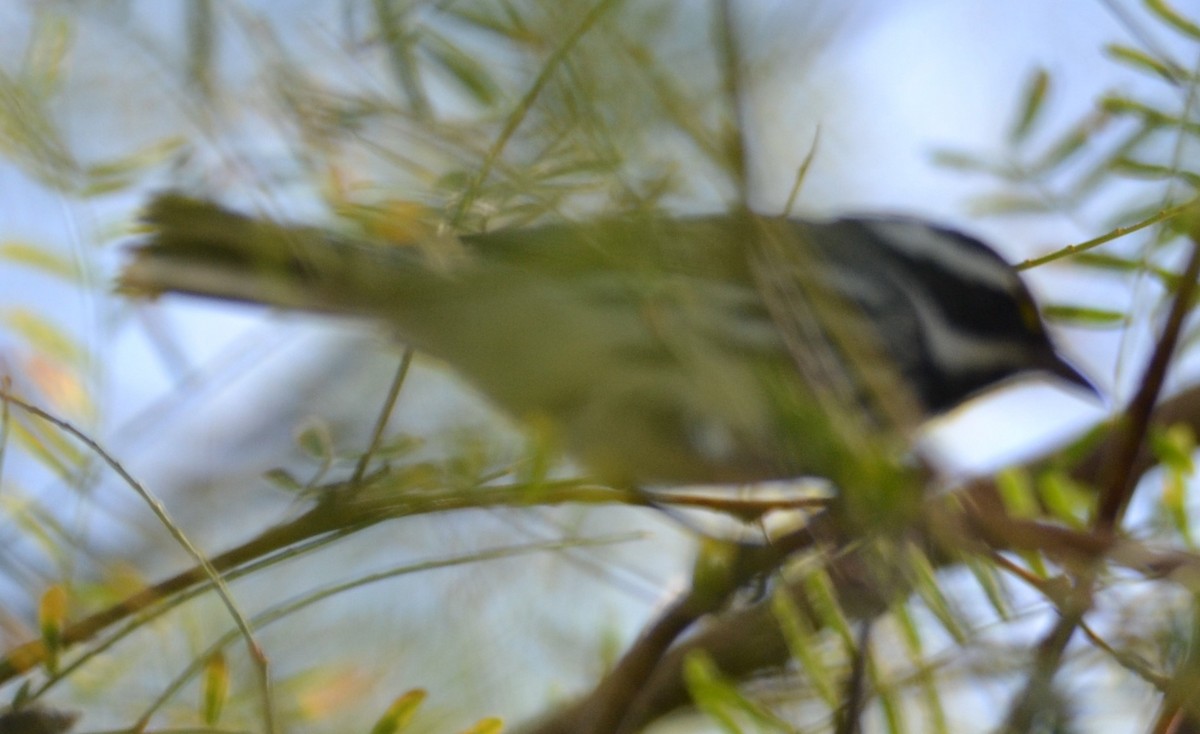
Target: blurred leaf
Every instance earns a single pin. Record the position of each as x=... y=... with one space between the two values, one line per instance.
x=1073 y=141
x=489 y=725
x=400 y=714
x=966 y=162
x=314 y=438
x=935 y=713
x=52 y=616
x=802 y=643
x=49 y=447
x=1147 y=169
x=1067 y=500
x=39 y=258
x=465 y=69
x=1017 y=493
x=59 y=384
x=1174 y=503
x=121 y=173
x=507 y=23
x=48 y=48
x=1032 y=104
x=1124 y=106
x=1084 y=316
x=215 y=688
x=30 y=137
x=43 y=335
x=1174 y=446
x=1106 y=261
x=1143 y=61
x=822 y=596
x=720 y=699
x=927 y=587
x=993 y=587
x=1172 y=18
x=201 y=40
x=1100 y=172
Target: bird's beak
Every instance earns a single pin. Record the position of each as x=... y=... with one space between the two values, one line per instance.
x=1063 y=370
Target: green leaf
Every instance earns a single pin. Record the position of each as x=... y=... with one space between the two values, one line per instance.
x=214 y=688
x=1128 y=107
x=720 y=699
x=284 y=479
x=1070 y=143
x=1032 y=104
x=1154 y=171
x=119 y=173
x=1017 y=494
x=819 y=590
x=1174 y=447
x=44 y=335
x=400 y=714
x=30 y=135
x=993 y=588
x=1143 y=61
x=801 y=640
x=46 y=52
x=927 y=587
x=1084 y=316
x=511 y=26
x=464 y=68
x=1066 y=499
x=39 y=258
x=1172 y=18
x=936 y=715
x=1106 y=261
x=315 y=439
x=960 y=161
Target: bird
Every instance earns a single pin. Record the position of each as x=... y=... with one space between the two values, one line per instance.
x=726 y=348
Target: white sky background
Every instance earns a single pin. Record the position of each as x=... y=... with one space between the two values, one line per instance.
x=897 y=79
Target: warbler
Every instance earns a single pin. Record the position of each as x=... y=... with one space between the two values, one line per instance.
x=728 y=348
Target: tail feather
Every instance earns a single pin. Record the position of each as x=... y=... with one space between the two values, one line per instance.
x=196 y=247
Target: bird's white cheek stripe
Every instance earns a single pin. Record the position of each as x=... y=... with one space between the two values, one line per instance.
x=958 y=351
x=919 y=241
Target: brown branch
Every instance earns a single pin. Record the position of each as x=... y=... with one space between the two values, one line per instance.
x=354 y=506
x=747 y=641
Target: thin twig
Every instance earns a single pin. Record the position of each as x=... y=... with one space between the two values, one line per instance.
x=1162 y=216
x=1131 y=430
x=385 y=415
x=160 y=511
x=526 y=104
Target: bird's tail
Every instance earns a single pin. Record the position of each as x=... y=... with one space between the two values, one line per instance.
x=196 y=247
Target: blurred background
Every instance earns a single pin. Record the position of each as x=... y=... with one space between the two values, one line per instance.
x=307 y=109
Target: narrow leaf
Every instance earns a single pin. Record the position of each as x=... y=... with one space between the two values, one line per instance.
x=802 y=643
x=1143 y=61
x=1032 y=104
x=39 y=258
x=44 y=335
x=52 y=615
x=1083 y=316
x=215 y=688
x=400 y=714
x=1172 y=18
